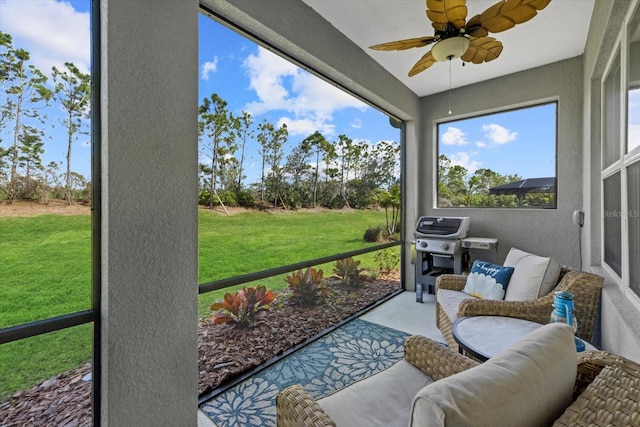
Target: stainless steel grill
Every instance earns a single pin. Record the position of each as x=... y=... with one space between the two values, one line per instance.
x=439 y=250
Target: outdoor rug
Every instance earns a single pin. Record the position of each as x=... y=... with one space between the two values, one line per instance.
x=351 y=353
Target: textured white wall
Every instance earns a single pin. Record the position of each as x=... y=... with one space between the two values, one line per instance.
x=149 y=67
x=620 y=323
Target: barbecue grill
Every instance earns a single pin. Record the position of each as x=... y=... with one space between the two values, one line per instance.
x=439 y=249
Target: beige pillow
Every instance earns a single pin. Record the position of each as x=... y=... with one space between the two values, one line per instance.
x=529 y=384
x=533 y=276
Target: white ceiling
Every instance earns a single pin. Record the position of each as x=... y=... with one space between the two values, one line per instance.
x=558 y=32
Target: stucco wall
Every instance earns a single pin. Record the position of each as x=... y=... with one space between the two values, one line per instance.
x=548 y=232
x=149 y=150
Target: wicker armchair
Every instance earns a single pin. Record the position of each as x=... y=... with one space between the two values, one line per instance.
x=606 y=390
x=296 y=408
x=606 y=393
x=584 y=286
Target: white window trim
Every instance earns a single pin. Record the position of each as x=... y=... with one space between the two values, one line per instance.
x=625 y=160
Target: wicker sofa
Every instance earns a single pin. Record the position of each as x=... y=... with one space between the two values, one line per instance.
x=585 y=287
x=604 y=390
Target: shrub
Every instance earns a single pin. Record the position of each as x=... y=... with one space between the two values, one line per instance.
x=373 y=234
x=348 y=272
x=204 y=198
x=245 y=198
x=246 y=308
x=228 y=198
x=307 y=287
x=387 y=260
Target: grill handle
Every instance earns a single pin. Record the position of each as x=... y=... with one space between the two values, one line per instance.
x=443 y=255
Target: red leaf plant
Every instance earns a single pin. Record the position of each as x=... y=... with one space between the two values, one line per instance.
x=246 y=308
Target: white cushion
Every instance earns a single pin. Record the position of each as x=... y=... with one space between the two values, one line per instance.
x=383 y=399
x=450 y=301
x=533 y=276
x=529 y=384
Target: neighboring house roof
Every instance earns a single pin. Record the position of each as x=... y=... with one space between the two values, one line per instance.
x=524 y=186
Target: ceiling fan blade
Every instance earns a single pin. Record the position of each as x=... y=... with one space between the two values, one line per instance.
x=443 y=12
x=425 y=62
x=474 y=27
x=508 y=13
x=404 y=44
x=482 y=49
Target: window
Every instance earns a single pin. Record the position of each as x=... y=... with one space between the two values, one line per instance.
x=505 y=159
x=621 y=161
x=45 y=205
x=633 y=192
x=612 y=223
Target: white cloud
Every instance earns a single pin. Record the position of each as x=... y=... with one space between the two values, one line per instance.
x=209 y=68
x=356 y=124
x=306 y=126
x=463 y=158
x=454 y=136
x=498 y=134
x=52 y=32
x=481 y=144
x=281 y=85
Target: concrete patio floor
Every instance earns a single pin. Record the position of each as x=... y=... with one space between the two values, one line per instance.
x=401 y=312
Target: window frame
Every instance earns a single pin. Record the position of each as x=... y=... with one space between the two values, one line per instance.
x=499 y=110
x=621 y=52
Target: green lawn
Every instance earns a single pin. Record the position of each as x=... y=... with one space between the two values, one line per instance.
x=45 y=271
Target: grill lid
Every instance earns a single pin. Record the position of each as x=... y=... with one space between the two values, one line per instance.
x=452 y=227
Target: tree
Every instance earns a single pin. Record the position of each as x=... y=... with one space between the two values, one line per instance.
x=30 y=150
x=216 y=129
x=73 y=91
x=271 y=142
x=453 y=183
x=390 y=200
x=387 y=155
x=265 y=132
x=316 y=144
x=296 y=167
x=242 y=125
x=275 y=153
x=346 y=157
x=25 y=94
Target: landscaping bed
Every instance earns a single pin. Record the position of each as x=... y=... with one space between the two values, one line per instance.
x=224 y=352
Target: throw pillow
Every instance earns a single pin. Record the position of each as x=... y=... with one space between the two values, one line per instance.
x=529 y=384
x=534 y=276
x=487 y=280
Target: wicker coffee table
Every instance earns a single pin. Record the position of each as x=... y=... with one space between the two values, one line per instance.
x=482 y=337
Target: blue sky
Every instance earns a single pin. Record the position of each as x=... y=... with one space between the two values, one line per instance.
x=53 y=33
x=253 y=79
x=521 y=141
x=245 y=75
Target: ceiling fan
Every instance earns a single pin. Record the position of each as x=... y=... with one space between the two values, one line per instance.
x=455 y=38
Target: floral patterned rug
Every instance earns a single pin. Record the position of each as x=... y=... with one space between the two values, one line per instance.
x=351 y=353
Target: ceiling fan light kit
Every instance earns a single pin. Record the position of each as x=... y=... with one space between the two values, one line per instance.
x=451 y=48
x=455 y=37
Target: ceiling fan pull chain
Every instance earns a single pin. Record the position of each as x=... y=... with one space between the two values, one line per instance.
x=449 y=86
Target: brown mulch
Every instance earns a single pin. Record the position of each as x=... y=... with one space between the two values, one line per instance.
x=64 y=400
x=223 y=353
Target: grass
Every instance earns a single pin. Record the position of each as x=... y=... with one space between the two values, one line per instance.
x=45 y=271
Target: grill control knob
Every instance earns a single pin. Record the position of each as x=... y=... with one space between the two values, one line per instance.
x=423 y=244
x=445 y=246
